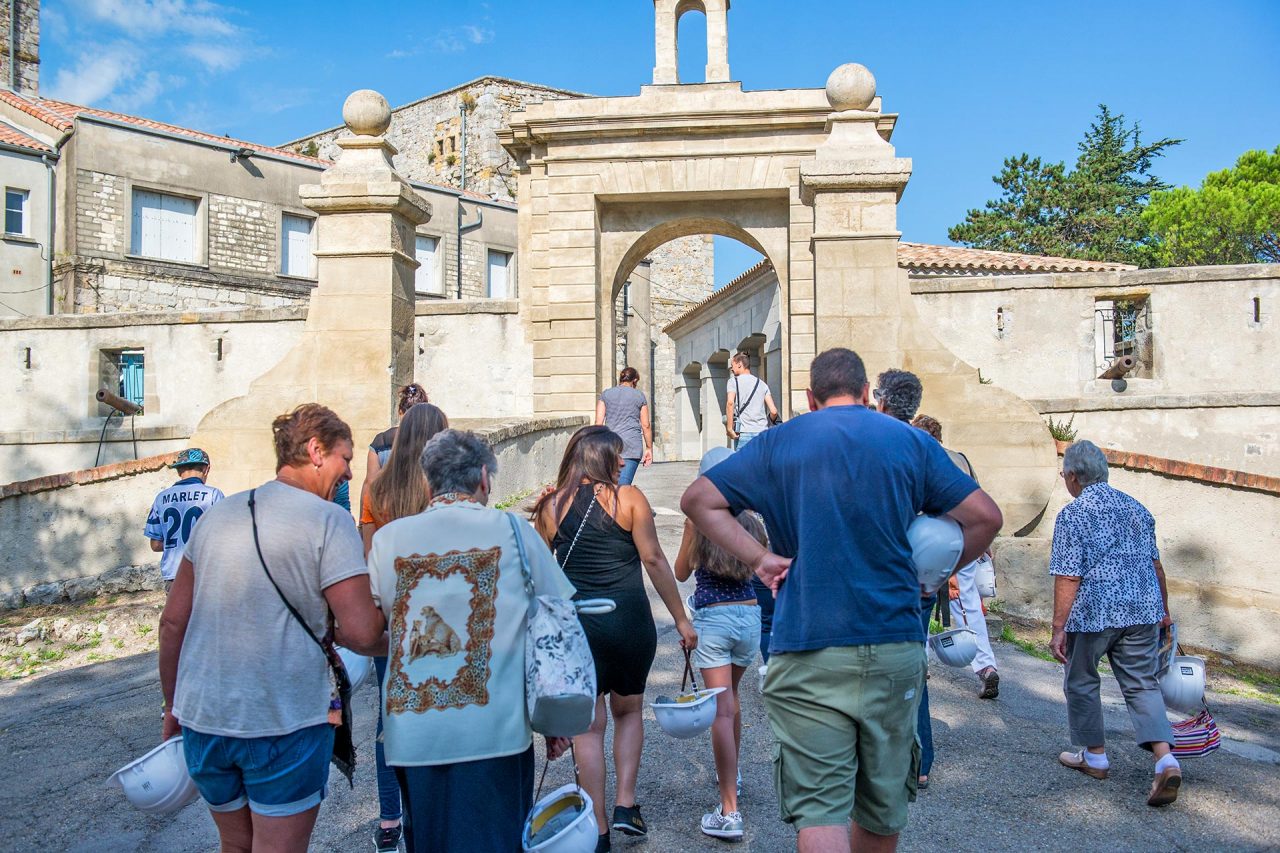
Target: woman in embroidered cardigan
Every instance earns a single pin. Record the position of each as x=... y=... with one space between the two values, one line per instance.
x=450 y=580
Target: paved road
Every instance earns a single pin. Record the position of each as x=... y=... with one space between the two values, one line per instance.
x=996 y=785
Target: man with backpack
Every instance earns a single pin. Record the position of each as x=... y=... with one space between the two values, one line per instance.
x=749 y=407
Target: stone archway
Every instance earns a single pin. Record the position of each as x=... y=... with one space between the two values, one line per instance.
x=808 y=178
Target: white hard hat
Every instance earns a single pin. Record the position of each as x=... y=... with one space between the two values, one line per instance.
x=957 y=647
x=689 y=715
x=1183 y=684
x=563 y=821
x=358 y=667
x=936 y=544
x=984 y=576
x=158 y=782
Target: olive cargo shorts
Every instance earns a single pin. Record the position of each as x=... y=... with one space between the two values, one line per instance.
x=844 y=720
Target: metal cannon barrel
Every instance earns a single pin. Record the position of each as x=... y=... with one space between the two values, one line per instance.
x=115 y=401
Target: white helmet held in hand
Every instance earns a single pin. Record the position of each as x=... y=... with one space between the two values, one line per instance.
x=563 y=821
x=358 y=667
x=957 y=647
x=1182 y=684
x=688 y=715
x=158 y=782
x=936 y=545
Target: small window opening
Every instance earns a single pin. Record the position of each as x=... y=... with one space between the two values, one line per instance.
x=1000 y=320
x=122 y=371
x=1123 y=327
x=1257 y=309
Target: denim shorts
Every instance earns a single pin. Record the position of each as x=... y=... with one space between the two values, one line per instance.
x=727 y=634
x=275 y=776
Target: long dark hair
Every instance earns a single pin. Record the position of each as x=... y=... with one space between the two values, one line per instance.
x=713 y=559
x=594 y=455
x=400 y=489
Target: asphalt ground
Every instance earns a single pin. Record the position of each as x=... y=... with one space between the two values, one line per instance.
x=996 y=784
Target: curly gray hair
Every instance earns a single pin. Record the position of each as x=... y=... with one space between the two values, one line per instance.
x=1087 y=462
x=453 y=459
x=900 y=390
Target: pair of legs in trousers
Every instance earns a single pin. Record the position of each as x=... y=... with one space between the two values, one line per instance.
x=388 y=786
x=764 y=597
x=1133 y=653
x=967 y=580
x=924 y=726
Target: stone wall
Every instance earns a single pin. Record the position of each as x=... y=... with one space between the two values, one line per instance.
x=28 y=14
x=52 y=546
x=428 y=135
x=242 y=235
x=472 y=357
x=1206 y=401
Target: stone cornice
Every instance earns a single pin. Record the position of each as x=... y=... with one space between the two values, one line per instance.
x=1123 y=402
x=155 y=318
x=854 y=175
x=1115 y=280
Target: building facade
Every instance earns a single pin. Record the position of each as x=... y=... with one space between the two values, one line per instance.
x=151 y=216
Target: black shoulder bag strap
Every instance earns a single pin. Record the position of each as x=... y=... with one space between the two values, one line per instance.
x=344 y=749
x=739 y=409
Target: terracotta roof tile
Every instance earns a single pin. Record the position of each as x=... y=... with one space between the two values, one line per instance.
x=925 y=256
x=62 y=115
x=13 y=136
x=71 y=111
x=943 y=259
x=33 y=109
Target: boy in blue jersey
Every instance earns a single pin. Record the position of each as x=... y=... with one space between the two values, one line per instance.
x=176 y=510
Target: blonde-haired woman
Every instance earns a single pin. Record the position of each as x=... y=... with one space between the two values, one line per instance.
x=397 y=491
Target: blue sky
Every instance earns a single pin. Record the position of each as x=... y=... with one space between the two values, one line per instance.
x=973 y=82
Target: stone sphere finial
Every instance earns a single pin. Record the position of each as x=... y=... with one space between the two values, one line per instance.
x=366 y=113
x=851 y=87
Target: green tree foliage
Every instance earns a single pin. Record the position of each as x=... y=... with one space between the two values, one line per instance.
x=1233 y=218
x=1093 y=211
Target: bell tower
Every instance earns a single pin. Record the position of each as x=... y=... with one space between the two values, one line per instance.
x=667 y=14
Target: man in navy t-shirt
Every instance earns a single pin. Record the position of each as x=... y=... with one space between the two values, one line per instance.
x=838 y=489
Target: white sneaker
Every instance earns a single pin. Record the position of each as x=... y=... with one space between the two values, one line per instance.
x=763 y=670
x=727 y=826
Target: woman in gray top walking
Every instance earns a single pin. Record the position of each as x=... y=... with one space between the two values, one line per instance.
x=624 y=409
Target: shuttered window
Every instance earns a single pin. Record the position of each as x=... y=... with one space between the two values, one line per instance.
x=499 y=275
x=164 y=226
x=427 y=279
x=297 y=252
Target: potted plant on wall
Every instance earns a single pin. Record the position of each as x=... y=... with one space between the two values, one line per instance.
x=1063 y=433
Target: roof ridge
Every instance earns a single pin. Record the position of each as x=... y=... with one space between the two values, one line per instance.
x=447 y=91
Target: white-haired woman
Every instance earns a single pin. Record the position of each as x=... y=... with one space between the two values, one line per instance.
x=450 y=582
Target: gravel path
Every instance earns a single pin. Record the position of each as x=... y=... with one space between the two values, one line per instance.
x=996 y=784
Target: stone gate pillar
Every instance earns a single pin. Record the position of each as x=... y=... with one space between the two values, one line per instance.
x=862 y=300
x=357 y=345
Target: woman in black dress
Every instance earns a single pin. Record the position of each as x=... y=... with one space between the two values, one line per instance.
x=602 y=535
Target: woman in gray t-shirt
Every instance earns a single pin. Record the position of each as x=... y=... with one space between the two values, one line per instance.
x=243 y=682
x=624 y=409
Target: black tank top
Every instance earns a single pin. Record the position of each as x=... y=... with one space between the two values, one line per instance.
x=605 y=560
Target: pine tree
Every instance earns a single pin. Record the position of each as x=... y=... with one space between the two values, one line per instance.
x=1233 y=218
x=1093 y=212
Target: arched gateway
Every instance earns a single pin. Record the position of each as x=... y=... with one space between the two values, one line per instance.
x=807 y=177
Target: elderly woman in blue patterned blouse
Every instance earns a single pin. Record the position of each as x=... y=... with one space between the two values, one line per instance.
x=1109 y=598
